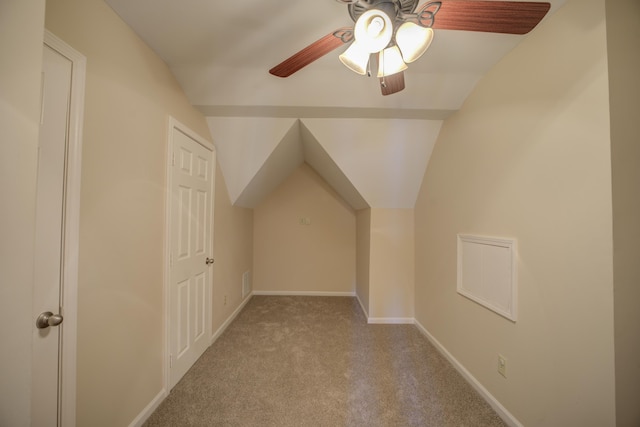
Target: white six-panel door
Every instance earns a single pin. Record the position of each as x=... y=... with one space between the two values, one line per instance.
x=191 y=250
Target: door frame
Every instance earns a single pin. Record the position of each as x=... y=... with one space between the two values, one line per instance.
x=175 y=124
x=71 y=231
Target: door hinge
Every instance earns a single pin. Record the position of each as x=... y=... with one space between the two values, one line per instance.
x=173 y=159
x=171 y=360
x=170 y=259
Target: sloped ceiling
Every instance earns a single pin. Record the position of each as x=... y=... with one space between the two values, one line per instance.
x=337 y=121
x=370 y=162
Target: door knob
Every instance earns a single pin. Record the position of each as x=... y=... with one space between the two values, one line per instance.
x=47 y=319
x=209 y=261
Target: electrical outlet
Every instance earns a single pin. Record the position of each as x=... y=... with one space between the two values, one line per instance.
x=502 y=365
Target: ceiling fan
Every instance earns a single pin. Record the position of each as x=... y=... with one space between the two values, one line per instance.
x=392 y=33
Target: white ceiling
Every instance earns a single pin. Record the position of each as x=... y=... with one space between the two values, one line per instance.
x=221 y=51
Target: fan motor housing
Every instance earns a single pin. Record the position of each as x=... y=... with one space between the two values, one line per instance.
x=400 y=6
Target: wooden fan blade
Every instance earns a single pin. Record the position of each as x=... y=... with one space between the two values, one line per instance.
x=314 y=51
x=507 y=17
x=392 y=84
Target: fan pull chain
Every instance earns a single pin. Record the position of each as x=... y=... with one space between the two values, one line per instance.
x=383 y=82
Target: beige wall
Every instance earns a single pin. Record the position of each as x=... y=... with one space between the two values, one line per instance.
x=130 y=93
x=363 y=256
x=391 y=265
x=528 y=156
x=232 y=251
x=623 y=34
x=21 y=36
x=288 y=256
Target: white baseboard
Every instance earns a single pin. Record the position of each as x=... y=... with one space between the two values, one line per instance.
x=148 y=410
x=230 y=319
x=388 y=320
x=384 y=320
x=306 y=293
x=506 y=416
x=156 y=401
x=366 y=312
x=391 y=320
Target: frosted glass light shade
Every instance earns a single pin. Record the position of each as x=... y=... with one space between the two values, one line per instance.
x=390 y=62
x=413 y=40
x=355 y=58
x=373 y=30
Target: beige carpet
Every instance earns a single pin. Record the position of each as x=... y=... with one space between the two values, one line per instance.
x=314 y=361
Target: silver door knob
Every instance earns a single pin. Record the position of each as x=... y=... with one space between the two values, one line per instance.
x=209 y=261
x=47 y=319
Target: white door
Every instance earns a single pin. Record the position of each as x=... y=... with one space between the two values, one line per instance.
x=53 y=395
x=191 y=249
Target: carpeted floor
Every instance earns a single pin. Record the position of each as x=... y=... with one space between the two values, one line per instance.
x=314 y=361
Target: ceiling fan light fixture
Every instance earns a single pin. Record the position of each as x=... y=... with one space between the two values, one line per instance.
x=356 y=58
x=413 y=40
x=377 y=21
x=390 y=62
x=373 y=30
